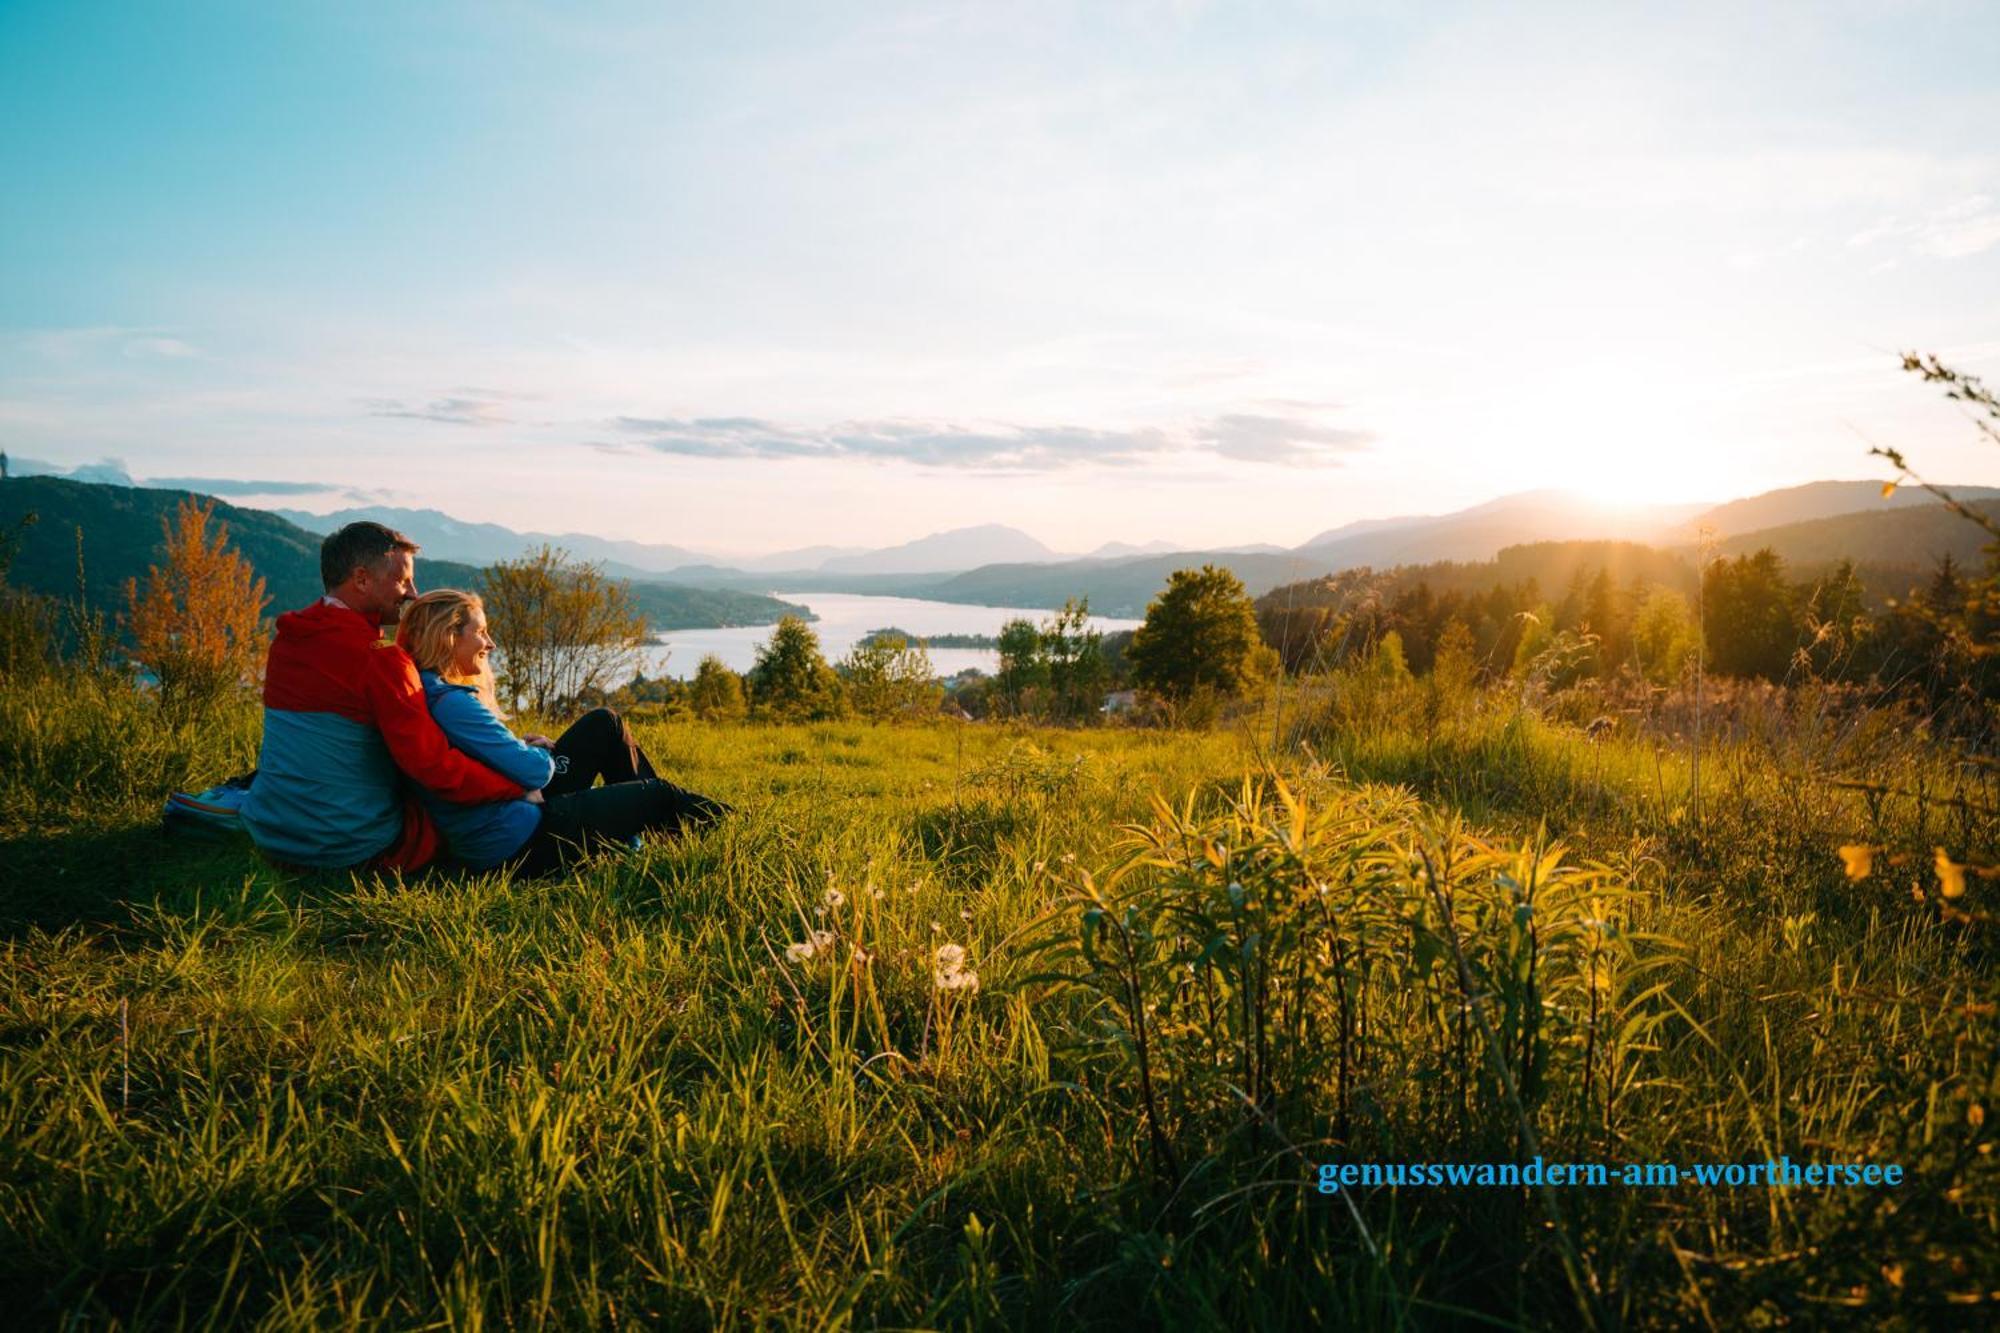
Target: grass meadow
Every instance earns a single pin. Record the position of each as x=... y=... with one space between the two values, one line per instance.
x=990 y=1025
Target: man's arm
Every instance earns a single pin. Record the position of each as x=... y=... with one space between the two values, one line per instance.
x=396 y=699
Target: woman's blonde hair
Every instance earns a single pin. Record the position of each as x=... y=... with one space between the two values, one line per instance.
x=429 y=632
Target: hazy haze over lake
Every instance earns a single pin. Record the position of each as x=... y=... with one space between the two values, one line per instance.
x=843 y=619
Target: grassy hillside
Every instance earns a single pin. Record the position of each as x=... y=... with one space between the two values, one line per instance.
x=230 y=1094
x=121 y=527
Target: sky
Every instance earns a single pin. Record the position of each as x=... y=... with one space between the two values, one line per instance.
x=743 y=277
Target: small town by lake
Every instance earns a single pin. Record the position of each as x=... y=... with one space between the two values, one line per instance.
x=844 y=619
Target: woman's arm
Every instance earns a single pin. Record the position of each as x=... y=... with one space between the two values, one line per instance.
x=471 y=726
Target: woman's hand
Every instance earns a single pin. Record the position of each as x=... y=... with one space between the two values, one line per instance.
x=539 y=742
x=534 y=796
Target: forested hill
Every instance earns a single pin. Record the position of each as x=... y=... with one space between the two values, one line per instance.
x=1908 y=542
x=121 y=527
x=1115 y=587
x=1892 y=548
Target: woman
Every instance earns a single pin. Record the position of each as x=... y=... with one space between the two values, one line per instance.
x=563 y=816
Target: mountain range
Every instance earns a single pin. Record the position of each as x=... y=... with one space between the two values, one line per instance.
x=90 y=537
x=1895 y=538
x=949 y=552
x=988 y=549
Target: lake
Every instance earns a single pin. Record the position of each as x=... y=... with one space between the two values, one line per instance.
x=844 y=618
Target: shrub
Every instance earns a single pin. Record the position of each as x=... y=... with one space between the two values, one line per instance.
x=888 y=678
x=791 y=681
x=199 y=625
x=717 y=692
x=1200 y=634
x=564 y=629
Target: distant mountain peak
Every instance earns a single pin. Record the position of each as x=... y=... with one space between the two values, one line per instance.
x=948 y=552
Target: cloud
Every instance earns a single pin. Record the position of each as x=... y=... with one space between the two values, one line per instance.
x=240 y=486
x=1966 y=228
x=928 y=444
x=1242 y=437
x=1290 y=440
x=464 y=409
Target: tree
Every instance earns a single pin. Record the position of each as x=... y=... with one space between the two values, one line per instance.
x=1748 y=616
x=791 y=681
x=717 y=692
x=564 y=629
x=1023 y=668
x=1663 y=635
x=888 y=677
x=199 y=627
x=1199 y=635
x=1448 y=689
x=1074 y=654
x=27 y=619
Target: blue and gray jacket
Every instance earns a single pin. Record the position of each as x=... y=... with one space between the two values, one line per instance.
x=482 y=836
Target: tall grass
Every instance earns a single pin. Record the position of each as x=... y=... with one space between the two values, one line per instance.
x=734 y=1081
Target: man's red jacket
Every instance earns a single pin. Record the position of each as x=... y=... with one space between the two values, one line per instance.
x=344 y=711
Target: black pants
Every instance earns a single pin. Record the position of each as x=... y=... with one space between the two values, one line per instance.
x=578 y=817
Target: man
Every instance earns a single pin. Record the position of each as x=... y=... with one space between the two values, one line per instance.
x=343 y=711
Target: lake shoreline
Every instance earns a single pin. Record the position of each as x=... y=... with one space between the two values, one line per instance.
x=842 y=620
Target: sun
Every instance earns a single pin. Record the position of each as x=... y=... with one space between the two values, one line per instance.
x=1610 y=445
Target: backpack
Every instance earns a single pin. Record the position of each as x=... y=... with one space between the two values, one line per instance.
x=215 y=814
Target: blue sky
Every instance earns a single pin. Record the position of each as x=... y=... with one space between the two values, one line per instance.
x=752 y=276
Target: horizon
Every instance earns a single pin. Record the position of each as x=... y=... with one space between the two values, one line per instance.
x=752 y=279
x=102 y=474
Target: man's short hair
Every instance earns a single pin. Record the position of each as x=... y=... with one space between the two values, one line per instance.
x=363 y=543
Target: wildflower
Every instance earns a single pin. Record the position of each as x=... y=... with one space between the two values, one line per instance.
x=964 y=914
x=798 y=953
x=950 y=971
x=835 y=898
x=821 y=939
x=1859 y=860
x=1951 y=875
x=877 y=894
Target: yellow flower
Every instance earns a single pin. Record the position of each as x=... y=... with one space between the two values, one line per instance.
x=1859 y=858
x=1951 y=875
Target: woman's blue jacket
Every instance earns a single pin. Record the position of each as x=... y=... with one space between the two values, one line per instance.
x=482 y=836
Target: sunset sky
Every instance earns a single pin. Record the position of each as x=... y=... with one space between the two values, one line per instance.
x=749 y=276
